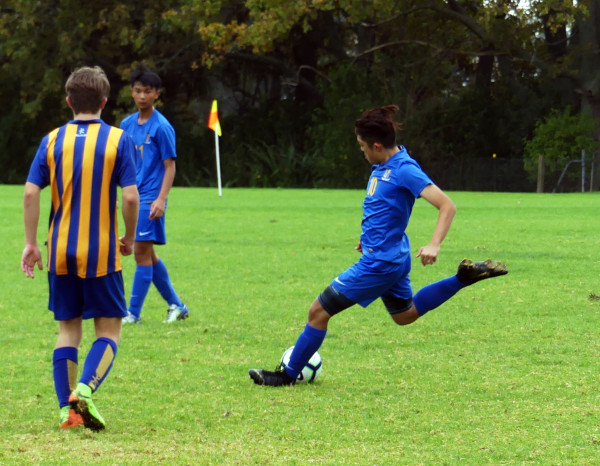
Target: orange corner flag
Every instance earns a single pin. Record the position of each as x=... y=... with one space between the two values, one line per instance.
x=213 y=119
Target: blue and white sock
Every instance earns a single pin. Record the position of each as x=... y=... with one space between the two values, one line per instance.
x=160 y=278
x=309 y=341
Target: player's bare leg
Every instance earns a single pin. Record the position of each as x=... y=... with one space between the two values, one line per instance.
x=407 y=317
x=144 y=253
x=317 y=316
x=69 y=333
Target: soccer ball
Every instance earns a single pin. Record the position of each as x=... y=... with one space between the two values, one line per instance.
x=310 y=372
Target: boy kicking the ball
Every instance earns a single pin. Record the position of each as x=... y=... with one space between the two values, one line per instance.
x=383 y=269
x=154 y=139
x=83 y=162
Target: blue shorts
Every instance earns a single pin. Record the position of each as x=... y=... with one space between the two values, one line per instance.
x=150 y=230
x=370 y=279
x=72 y=296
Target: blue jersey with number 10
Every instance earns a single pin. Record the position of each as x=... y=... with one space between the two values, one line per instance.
x=154 y=142
x=391 y=193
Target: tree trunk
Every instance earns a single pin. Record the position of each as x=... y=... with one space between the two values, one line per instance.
x=589 y=79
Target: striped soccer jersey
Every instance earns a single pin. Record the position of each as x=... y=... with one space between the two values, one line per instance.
x=84 y=162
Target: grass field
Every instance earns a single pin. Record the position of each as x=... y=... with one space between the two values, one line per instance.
x=504 y=373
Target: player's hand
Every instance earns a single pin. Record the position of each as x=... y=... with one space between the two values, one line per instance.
x=428 y=254
x=31 y=256
x=157 y=209
x=126 y=246
x=359 y=247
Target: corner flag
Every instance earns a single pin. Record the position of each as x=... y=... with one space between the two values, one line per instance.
x=213 y=123
x=213 y=119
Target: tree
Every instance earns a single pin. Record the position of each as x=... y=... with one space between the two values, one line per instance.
x=472 y=55
x=42 y=42
x=471 y=76
x=560 y=138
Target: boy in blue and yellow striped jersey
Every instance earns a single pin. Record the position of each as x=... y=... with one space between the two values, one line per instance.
x=83 y=162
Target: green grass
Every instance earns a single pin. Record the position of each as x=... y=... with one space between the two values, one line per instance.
x=504 y=373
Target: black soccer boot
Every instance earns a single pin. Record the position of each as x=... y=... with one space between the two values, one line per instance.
x=470 y=272
x=271 y=378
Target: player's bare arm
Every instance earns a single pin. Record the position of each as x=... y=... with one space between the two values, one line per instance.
x=437 y=198
x=131 y=204
x=157 y=209
x=31 y=214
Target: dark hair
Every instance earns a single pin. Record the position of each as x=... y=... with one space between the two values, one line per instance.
x=86 y=88
x=145 y=77
x=378 y=125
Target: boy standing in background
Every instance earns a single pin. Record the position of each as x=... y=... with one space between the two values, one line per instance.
x=154 y=140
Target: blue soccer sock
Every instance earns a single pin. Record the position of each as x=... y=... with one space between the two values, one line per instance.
x=98 y=362
x=431 y=296
x=160 y=278
x=141 y=284
x=64 y=362
x=309 y=341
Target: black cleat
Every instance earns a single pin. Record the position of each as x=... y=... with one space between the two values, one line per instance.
x=470 y=272
x=271 y=378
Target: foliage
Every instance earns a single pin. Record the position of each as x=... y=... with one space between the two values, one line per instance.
x=560 y=137
x=347 y=94
x=477 y=381
x=277 y=166
x=263 y=146
x=471 y=78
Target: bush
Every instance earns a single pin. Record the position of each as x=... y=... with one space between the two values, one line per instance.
x=560 y=138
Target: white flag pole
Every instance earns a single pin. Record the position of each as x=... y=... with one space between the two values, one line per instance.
x=218 y=162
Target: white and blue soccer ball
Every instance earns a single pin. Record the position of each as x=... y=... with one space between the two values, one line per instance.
x=310 y=372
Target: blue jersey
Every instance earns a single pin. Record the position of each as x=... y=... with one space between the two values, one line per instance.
x=391 y=193
x=154 y=142
x=84 y=162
